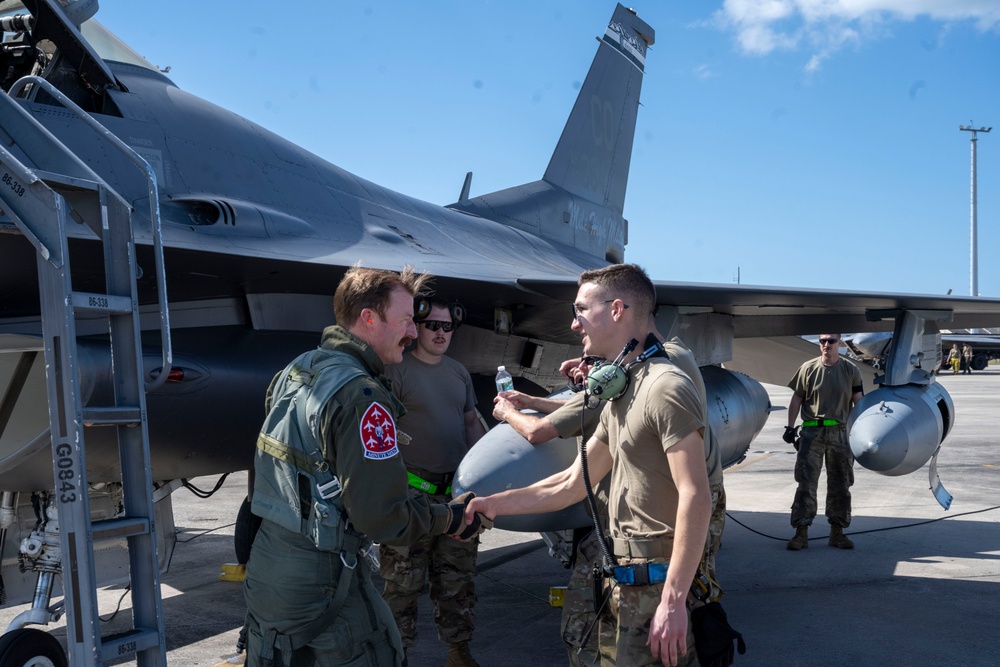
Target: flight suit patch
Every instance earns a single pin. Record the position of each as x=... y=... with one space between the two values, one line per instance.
x=378 y=433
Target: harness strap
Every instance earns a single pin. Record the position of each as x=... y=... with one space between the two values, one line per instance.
x=287 y=644
x=272 y=640
x=313 y=630
x=290 y=455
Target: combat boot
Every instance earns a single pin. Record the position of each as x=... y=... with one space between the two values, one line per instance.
x=801 y=539
x=459 y=656
x=838 y=539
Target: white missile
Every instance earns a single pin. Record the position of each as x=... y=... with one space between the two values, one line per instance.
x=737 y=410
x=896 y=430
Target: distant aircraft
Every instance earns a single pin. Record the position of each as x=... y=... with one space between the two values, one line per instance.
x=257 y=232
x=874 y=347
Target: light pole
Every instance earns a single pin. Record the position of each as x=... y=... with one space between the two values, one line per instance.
x=973 y=232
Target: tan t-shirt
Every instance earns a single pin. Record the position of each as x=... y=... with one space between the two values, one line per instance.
x=567 y=420
x=659 y=409
x=684 y=359
x=826 y=391
x=436 y=397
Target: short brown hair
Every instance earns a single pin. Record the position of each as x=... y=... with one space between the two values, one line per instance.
x=371 y=288
x=627 y=282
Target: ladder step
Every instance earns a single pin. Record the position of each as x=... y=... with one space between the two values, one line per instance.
x=65 y=181
x=104 y=303
x=128 y=643
x=114 y=529
x=123 y=415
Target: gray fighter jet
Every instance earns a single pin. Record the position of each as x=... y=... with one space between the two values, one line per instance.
x=255 y=233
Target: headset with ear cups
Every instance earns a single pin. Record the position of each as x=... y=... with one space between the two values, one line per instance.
x=608 y=381
x=457 y=312
x=422 y=310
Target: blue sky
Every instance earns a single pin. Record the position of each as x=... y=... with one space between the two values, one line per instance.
x=807 y=143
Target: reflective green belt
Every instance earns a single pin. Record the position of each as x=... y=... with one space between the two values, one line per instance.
x=422 y=484
x=821 y=422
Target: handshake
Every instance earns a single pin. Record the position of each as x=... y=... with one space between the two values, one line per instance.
x=457 y=527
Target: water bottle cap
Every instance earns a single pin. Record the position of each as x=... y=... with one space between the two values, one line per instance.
x=500 y=368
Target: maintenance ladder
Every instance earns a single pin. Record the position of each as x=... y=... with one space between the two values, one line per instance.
x=44 y=200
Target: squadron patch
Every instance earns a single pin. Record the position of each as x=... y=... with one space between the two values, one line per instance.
x=378 y=433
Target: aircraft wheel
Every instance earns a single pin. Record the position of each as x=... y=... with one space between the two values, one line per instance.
x=28 y=647
x=247 y=525
x=979 y=362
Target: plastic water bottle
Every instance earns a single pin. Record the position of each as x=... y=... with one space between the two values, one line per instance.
x=504 y=381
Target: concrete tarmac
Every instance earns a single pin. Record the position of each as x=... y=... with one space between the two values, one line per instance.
x=919 y=588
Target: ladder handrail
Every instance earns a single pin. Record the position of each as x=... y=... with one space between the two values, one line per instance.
x=154 y=213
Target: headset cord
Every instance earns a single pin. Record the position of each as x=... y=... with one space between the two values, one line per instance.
x=605 y=549
x=591 y=499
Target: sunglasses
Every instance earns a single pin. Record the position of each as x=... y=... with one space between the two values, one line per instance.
x=434 y=325
x=576 y=313
x=829 y=341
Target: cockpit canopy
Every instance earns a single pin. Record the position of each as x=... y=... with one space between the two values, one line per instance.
x=60 y=41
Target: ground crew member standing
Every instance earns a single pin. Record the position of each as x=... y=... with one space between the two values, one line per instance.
x=954 y=358
x=967 y=358
x=825 y=389
x=442 y=423
x=650 y=440
x=327 y=476
x=683 y=358
x=579 y=618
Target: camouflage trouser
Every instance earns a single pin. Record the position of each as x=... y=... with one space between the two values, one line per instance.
x=819 y=443
x=629 y=615
x=289 y=584
x=715 y=525
x=450 y=568
x=578 y=616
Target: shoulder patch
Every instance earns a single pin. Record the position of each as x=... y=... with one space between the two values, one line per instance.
x=378 y=433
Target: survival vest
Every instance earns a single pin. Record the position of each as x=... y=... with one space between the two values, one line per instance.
x=294 y=485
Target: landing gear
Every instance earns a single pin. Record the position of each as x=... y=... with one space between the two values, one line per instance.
x=28 y=647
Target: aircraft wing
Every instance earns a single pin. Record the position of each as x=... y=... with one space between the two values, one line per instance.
x=756 y=319
x=788 y=311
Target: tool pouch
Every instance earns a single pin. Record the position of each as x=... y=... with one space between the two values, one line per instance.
x=714 y=637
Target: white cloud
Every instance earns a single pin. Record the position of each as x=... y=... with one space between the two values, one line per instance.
x=826 y=26
x=703 y=72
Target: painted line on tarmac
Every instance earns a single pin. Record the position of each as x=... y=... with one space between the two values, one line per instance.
x=748 y=462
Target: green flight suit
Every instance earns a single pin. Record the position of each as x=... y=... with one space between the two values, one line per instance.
x=290 y=583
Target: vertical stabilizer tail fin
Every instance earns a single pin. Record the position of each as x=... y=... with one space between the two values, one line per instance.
x=592 y=157
x=579 y=201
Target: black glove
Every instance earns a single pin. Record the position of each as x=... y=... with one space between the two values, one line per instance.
x=457 y=527
x=791 y=435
